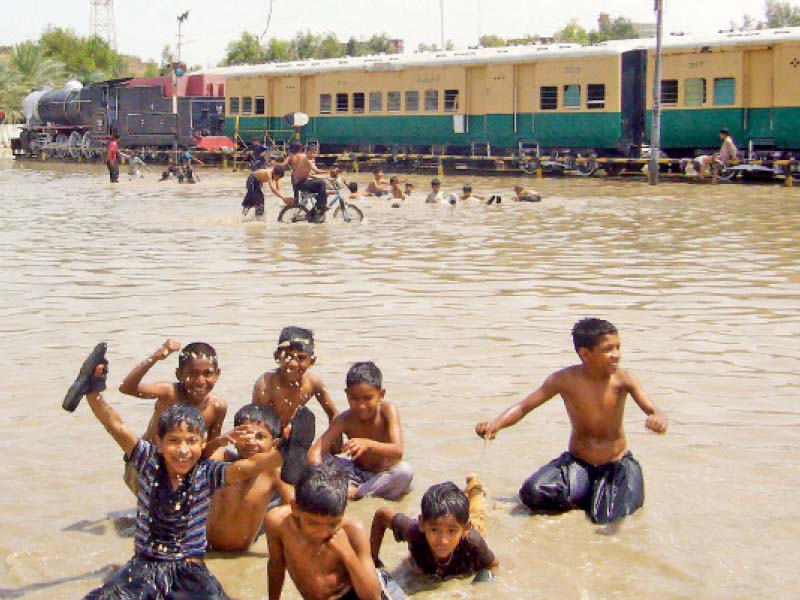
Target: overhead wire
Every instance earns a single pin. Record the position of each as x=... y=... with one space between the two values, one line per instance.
x=269 y=18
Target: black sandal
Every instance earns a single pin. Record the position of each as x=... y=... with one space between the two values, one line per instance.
x=87 y=382
x=295 y=448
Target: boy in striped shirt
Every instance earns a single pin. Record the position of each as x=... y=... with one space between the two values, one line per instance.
x=174 y=496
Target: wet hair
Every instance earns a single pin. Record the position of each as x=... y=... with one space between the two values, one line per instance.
x=322 y=490
x=376 y=171
x=197 y=350
x=296 y=338
x=435 y=181
x=394 y=180
x=353 y=187
x=724 y=130
x=258 y=413
x=364 y=372
x=278 y=170
x=467 y=188
x=295 y=147
x=180 y=413
x=445 y=499
x=588 y=332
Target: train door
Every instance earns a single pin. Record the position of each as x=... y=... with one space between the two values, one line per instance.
x=634 y=94
x=758 y=95
x=476 y=103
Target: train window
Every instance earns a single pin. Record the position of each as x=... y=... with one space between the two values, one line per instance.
x=247 y=105
x=260 y=105
x=358 y=102
x=412 y=101
x=234 y=106
x=324 y=104
x=375 y=102
x=572 y=96
x=595 y=96
x=695 y=91
x=342 y=103
x=669 y=91
x=548 y=97
x=392 y=101
x=724 y=91
x=431 y=100
x=451 y=101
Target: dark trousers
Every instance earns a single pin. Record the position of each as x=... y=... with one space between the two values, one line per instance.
x=606 y=492
x=113 y=170
x=313 y=186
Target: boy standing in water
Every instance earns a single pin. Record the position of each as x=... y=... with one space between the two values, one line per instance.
x=237 y=511
x=598 y=474
x=254 y=198
x=326 y=553
x=112 y=158
x=175 y=488
x=375 y=464
x=197 y=373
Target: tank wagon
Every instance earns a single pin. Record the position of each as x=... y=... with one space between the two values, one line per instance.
x=76 y=121
x=555 y=98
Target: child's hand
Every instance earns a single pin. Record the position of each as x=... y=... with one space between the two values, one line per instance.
x=656 y=422
x=340 y=543
x=240 y=435
x=167 y=348
x=486 y=430
x=356 y=447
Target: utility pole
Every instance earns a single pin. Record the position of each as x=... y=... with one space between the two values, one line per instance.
x=102 y=21
x=441 y=24
x=655 y=125
x=177 y=71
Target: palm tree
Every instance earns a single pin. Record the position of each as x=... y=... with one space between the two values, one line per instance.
x=33 y=68
x=11 y=92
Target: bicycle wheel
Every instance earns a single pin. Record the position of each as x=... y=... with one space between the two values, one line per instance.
x=348 y=212
x=293 y=213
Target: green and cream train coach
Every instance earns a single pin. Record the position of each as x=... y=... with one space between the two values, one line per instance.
x=559 y=96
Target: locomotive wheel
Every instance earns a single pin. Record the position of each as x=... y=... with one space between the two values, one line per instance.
x=612 y=170
x=587 y=168
x=86 y=146
x=61 y=145
x=74 y=144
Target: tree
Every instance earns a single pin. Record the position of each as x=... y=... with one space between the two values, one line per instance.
x=33 y=69
x=11 y=91
x=491 y=41
x=572 y=33
x=278 y=51
x=84 y=58
x=781 y=14
x=151 y=69
x=245 y=51
x=167 y=58
x=330 y=47
x=422 y=47
x=618 y=29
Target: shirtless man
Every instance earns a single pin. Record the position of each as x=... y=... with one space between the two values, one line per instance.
x=598 y=473
x=326 y=553
x=255 y=197
x=303 y=167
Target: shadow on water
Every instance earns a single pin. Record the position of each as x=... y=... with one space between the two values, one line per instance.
x=103 y=572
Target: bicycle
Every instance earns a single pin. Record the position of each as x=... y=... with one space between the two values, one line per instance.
x=298 y=212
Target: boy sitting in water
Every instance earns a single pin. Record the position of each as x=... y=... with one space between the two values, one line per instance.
x=291 y=385
x=175 y=489
x=326 y=553
x=396 y=193
x=237 y=511
x=374 y=447
x=447 y=538
x=197 y=373
x=468 y=195
x=598 y=474
x=375 y=187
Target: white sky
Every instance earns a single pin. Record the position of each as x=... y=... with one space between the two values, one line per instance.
x=143 y=27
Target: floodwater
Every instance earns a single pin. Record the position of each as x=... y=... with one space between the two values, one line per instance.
x=465 y=309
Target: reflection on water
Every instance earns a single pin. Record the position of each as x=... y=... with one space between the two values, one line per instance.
x=465 y=309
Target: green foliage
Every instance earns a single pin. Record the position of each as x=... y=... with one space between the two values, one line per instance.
x=279 y=50
x=491 y=41
x=781 y=14
x=572 y=33
x=151 y=69
x=245 y=51
x=167 y=58
x=12 y=91
x=618 y=29
x=86 y=59
x=448 y=45
x=33 y=68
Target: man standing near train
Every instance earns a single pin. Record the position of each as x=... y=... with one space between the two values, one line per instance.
x=112 y=157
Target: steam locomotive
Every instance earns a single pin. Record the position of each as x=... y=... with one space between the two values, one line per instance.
x=77 y=121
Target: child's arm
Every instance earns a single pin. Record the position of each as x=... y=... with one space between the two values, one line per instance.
x=324 y=399
x=391 y=449
x=132 y=384
x=656 y=418
x=488 y=429
x=324 y=443
x=351 y=545
x=276 y=564
x=215 y=439
x=380 y=523
x=247 y=468
x=110 y=419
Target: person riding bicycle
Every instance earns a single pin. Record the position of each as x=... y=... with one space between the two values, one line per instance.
x=303 y=166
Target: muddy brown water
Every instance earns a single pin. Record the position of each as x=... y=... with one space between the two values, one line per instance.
x=465 y=309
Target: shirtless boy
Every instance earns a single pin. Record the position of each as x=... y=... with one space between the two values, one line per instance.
x=598 y=474
x=303 y=167
x=197 y=373
x=375 y=187
x=468 y=195
x=315 y=526
x=395 y=192
x=374 y=447
x=238 y=510
x=523 y=195
x=291 y=385
x=255 y=197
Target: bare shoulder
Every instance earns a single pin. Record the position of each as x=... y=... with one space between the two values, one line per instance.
x=261 y=387
x=626 y=378
x=276 y=518
x=389 y=410
x=315 y=381
x=353 y=527
x=217 y=403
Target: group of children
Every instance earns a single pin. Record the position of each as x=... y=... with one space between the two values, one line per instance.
x=198 y=488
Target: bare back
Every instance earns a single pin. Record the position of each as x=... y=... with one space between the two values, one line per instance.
x=301 y=167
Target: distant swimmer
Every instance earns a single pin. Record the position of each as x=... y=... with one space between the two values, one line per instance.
x=397 y=195
x=598 y=474
x=468 y=195
x=376 y=186
x=523 y=195
x=436 y=195
x=254 y=197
